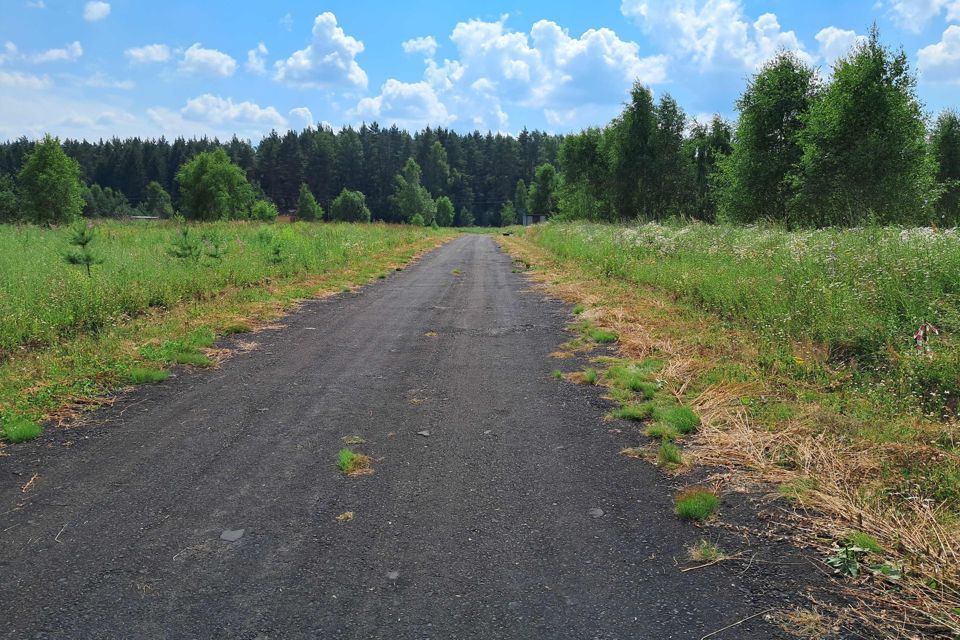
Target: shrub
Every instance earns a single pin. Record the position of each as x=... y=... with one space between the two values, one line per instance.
x=264 y=210
x=213 y=188
x=350 y=206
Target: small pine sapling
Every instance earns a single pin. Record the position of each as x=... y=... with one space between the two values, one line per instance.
x=81 y=235
x=185 y=246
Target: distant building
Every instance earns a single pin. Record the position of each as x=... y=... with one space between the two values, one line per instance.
x=529 y=219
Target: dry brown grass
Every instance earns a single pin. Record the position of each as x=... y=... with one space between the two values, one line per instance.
x=814 y=446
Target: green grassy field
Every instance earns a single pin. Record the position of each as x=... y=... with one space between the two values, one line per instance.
x=852 y=298
x=43 y=299
x=67 y=337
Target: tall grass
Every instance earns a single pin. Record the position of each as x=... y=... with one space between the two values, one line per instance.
x=44 y=300
x=860 y=293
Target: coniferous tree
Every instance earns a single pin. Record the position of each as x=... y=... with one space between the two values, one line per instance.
x=9 y=202
x=307 y=207
x=81 y=235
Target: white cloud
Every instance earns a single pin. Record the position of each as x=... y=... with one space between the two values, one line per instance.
x=836 y=43
x=913 y=15
x=426 y=45
x=940 y=62
x=100 y=80
x=303 y=114
x=200 y=61
x=18 y=80
x=216 y=110
x=97 y=10
x=714 y=32
x=287 y=22
x=68 y=53
x=36 y=4
x=328 y=61
x=148 y=54
x=8 y=53
x=255 y=59
x=410 y=105
x=546 y=68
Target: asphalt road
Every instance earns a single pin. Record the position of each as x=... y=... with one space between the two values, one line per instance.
x=481 y=529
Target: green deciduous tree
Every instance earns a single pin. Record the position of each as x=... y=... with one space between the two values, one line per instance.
x=541 y=200
x=157 y=202
x=104 y=203
x=864 y=145
x=307 y=207
x=445 y=212
x=9 y=202
x=410 y=197
x=520 y=198
x=945 y=149
x=508 y=214
x=706 y=147
x=50 y=187
x=213 y=188
x=757 y=181
x=350 y=206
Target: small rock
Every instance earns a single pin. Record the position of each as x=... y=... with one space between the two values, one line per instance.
x=488 y=432
x=232 y=535
x=393 y=575
x=596 y=512
x=425 y=433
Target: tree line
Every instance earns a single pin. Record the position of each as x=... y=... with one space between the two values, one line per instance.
x=851 y=150
x=475 y=174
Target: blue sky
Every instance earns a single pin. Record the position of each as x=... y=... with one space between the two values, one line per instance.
x=131 y=67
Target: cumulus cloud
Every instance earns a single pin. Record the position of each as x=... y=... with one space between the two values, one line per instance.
x=18 y=80
x=714 y=32
x=836 y=43
x=200 y=61
x=303 y=115
x=148 y=54
x=329 y=61
x=913 y=15
x=68 y=53
x=216 y=110
x=255 y=60
x=410 y=105
x=425 y=45
x=940 y=62
x=95 y=11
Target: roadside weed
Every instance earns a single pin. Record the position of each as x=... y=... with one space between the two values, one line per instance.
x=663 y=431
x=578 y=309
x=602 y=336
x=590 y=376
x=144 y=375
x=683 y=419
x=20 y=429
x=668 y=455
x=632 y=412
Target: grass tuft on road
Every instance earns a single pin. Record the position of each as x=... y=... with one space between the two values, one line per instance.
x=20 y=430
x=696 y=504
x=353 y=464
